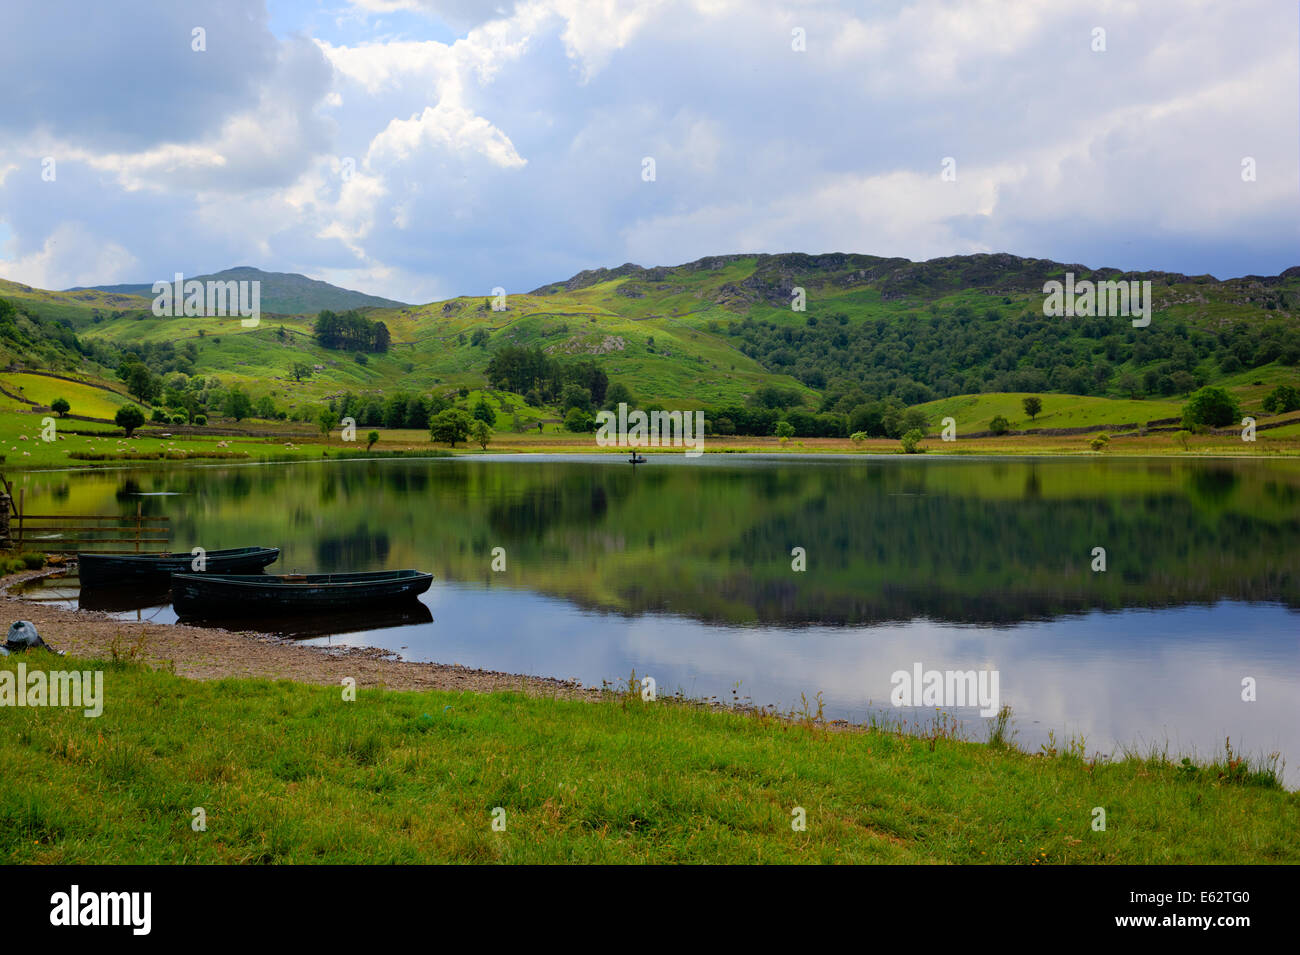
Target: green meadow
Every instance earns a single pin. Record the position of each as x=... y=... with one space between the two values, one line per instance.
x=291 y=773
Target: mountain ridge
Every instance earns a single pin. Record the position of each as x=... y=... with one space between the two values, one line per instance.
x=284 y=293
x=720 y=332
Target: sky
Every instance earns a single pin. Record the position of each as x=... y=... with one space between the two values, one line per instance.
x=421 y=149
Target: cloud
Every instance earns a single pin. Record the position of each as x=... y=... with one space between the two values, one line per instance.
x=443 y=127
x=453 y=146
x=71 y=255
x=125 y=76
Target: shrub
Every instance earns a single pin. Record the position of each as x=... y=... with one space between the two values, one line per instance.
x=159 y=416
x=200 y=419
x=999 y=425
x=911 y=441
x=1099 y=442
x=1280 y=400
x=1210 y=407
x=578 y=420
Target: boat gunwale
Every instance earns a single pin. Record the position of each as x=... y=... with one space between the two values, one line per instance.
x=277 y=581
x=150 y=559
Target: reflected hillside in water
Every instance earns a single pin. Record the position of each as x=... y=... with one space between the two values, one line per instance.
x=887 y=539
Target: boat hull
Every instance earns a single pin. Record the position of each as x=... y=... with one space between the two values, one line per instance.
x=229 y=595
x=98 y=569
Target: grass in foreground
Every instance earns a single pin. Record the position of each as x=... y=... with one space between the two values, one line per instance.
x=291 y=773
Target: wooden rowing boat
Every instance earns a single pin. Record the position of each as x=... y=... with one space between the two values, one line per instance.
x=247 y=594
x=97 y=569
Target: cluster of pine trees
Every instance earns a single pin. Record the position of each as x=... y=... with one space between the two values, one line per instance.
x=542 y=379
x=351 y=331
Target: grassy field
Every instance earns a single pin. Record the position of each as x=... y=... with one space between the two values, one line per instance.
x=84 y=399
x=286 y=772
x=974 y=412
x=21 y=444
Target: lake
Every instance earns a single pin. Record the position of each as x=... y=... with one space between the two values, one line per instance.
x=684 y=570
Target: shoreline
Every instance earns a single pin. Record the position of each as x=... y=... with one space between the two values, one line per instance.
x=209 y=653
x=564 y=451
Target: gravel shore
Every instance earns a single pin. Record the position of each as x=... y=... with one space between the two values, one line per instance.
x=204 y=653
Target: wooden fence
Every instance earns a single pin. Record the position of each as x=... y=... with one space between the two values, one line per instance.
x=69 y=533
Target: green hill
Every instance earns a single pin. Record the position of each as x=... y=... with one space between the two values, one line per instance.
x=283 y=293
x=720 y=333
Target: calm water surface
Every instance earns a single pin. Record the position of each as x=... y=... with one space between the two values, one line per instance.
x=681 y=570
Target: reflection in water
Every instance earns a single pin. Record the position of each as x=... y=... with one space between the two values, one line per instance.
x=116 y=599
x=684 y=567
x=364 y=620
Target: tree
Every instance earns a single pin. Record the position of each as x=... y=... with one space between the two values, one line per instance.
x=481 y=432
x=237 y=404
x=1130 y=385
x=128 y=418
x=891 y=419
x=1183 y=382
x=575 y=396
x=999 y=425
x=450 y=426
x=479 y=338
x=139 y=380
x=867 y=418
x=914 y=419
x=300 y=371
x=911 y=440
x=618 y=393
x=784 y=431
x=1033 y=404
x=60 y=406
x=325 y=420
x=371 y=439
x=1182 y=437
x=1280 y=400
x=577 y=420
x=483 y=412
x=1099 y=442
x=1210 y=407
